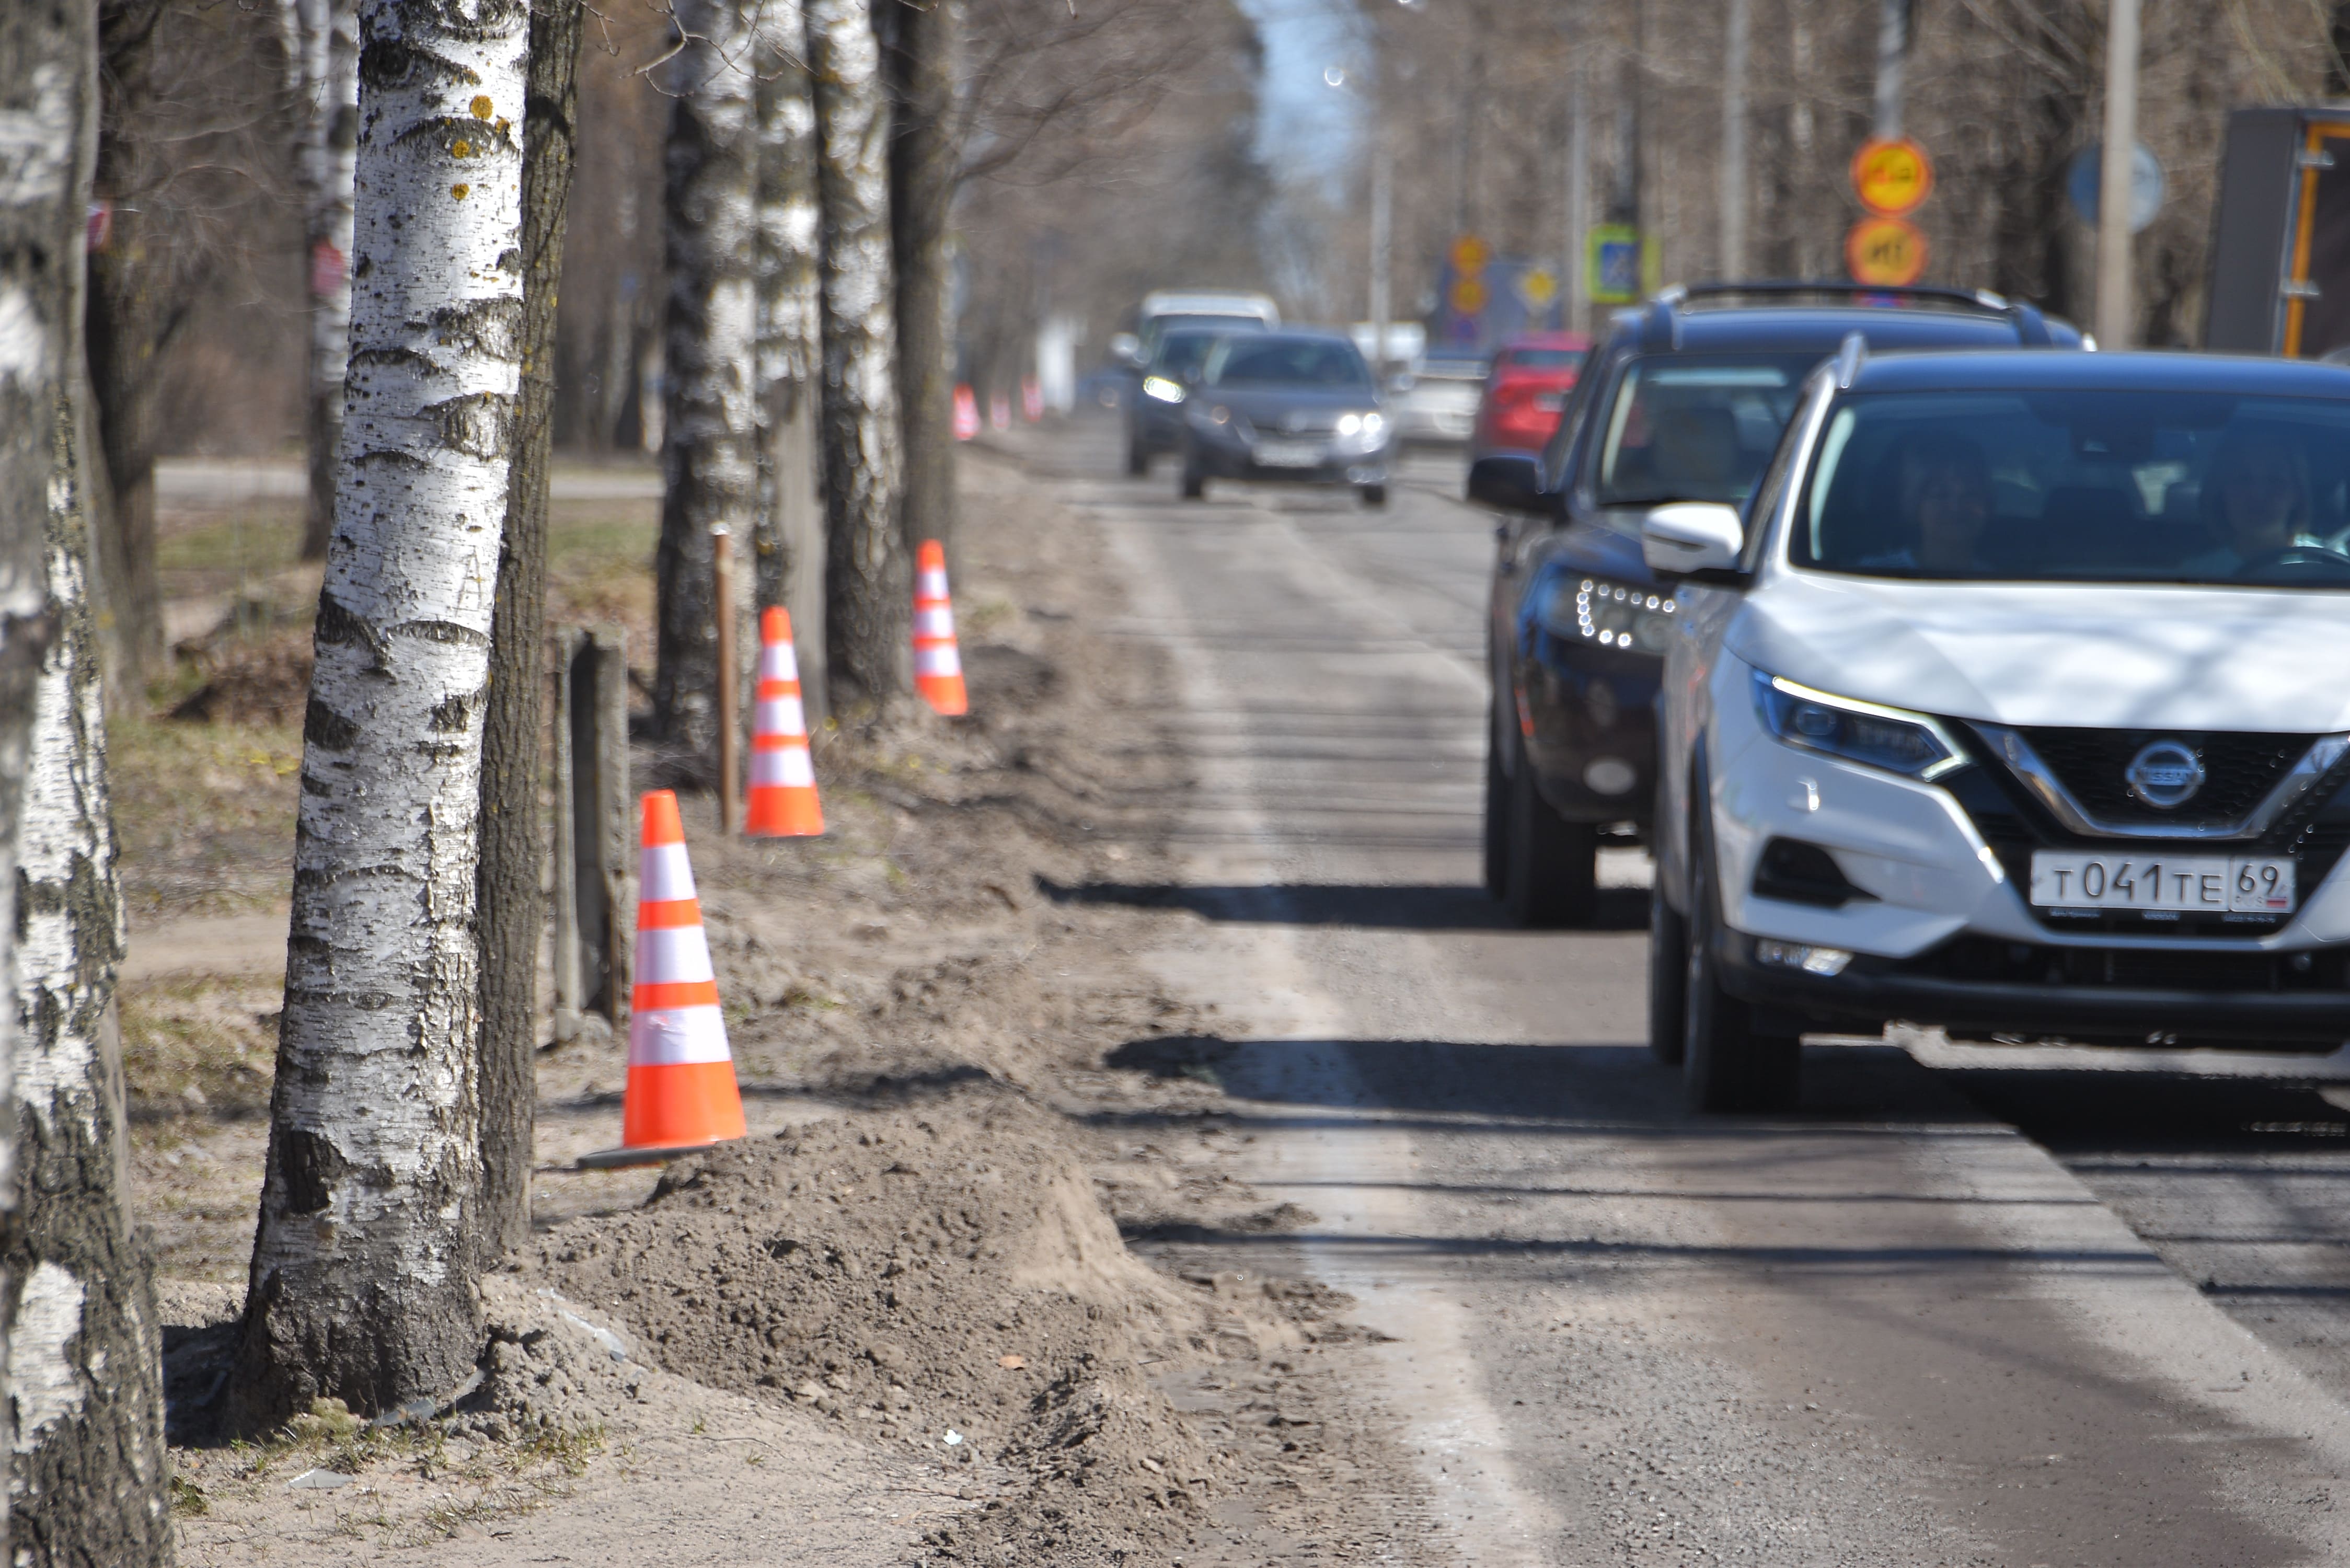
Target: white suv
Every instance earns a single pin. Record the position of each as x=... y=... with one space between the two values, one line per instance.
x=2016 y=700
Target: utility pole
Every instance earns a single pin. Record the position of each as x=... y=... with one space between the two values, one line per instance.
x=1732 y=173
x=2116 y=176
x=1578 y=193
x=1382 y=248
x=1892 y=62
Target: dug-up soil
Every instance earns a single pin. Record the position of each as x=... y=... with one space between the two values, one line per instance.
x=901 y=1321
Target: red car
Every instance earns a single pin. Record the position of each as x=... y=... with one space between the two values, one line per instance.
x=1525 y=388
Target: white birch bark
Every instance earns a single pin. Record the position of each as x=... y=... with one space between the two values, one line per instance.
x=788 y=530
x=322 y=60
x=710 y=428
x=86 y=1359
x=48 y=130
x=868 y=599
x=362 y=1281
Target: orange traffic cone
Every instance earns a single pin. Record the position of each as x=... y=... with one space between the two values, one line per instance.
x=783 y=785
x=681 y=1093
x=966 y=414
x=938 y=667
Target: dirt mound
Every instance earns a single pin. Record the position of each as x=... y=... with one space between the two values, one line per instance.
x=251 y=680
x=943 y=1281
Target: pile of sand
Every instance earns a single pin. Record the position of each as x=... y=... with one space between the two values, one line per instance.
x=943 y=1282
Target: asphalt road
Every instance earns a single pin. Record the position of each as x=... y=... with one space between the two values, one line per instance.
x=1967 y=1306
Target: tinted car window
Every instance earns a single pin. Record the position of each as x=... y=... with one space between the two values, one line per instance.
x=1685 y=427
x=2104 y=486
x=1288 y=362
x=1182 y=354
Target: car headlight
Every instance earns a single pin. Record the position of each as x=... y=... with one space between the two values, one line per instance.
x=1160 y=387
x=1366 y=426
x=1863 y=732
x=1613 y=614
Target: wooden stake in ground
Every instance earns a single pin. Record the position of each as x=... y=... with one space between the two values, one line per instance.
x=362 y=1283
x=513 y=840
x=868 y=575
x=86 y=1356
x=48 y=120
x=709 y=430
x=322 y=70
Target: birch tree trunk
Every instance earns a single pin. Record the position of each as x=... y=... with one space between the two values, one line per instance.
x=787 y=533
x=512 y=912
x=86 y=1357
x=363 y=1278
x=135 y=309
x=48 y=130
x=710 y=432
x=322 y=61
x=868 y=581
x=920 y=56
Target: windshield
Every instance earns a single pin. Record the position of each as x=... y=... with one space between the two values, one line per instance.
x=1543 y=358
x=1182 y=353
x=1689 y=429
x=2164 y=487
x=1287 y=362
x=1162 y=325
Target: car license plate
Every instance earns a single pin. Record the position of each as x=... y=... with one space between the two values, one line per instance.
x=2193 y=883
x=1550 y=403
x=1289 y=454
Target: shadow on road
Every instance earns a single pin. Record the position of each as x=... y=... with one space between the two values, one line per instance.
x=1376 y=906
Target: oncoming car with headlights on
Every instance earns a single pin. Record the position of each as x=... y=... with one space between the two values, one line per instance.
x=2018 y=704
x=1295 y=408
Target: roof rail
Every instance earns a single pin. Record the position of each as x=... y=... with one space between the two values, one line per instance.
x=2031 y=326
x=1850 y=354
x=1972 y=298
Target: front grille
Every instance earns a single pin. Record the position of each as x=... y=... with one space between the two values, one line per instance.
x=2238 y=771
x=1987 y=960
x=2316 y=831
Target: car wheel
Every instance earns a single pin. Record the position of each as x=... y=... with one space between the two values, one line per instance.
x=1550 y=865
x=1668 y=976
x=1497 y=809
x=1726 y=1065
x=1137 y=459
x=1373 y=495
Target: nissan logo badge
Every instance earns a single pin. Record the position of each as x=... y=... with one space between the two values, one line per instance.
x=2164 y=775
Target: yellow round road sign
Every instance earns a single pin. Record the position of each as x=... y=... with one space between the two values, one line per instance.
x=1887 y=252
x=1892 y=177
x=1469 y=255
x=1469 y=296
x=1537 y=289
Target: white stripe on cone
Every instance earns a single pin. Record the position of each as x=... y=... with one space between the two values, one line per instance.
x=668 y=954
x=672 y=1037
x=934 y=622
x=932 y=584
x=665 y=874
x=780 y=716
x=778 y=662
x=937 y=662
x=788 y=767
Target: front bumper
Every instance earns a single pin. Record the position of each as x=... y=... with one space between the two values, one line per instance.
x=1943 y=933
x=1874 y=990
x=1229 y=459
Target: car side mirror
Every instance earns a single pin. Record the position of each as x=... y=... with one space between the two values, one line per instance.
x=1695 y=539
x=1127 y=349
x=1509 y=480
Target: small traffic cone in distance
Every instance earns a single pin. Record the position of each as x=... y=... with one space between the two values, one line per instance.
x=966 y=414
x=782 y=802
x=938 y=664
x=681 y=1093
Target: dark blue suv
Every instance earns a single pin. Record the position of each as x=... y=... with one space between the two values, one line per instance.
x=1685 y=400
